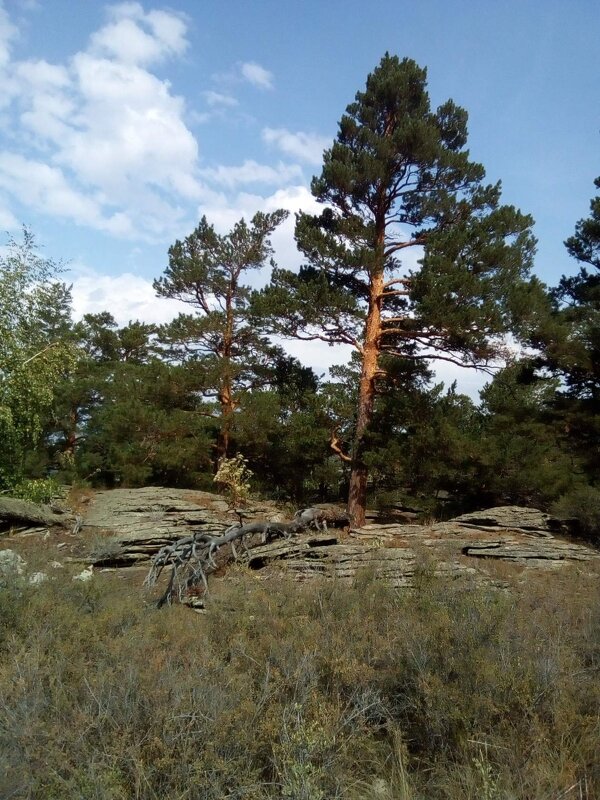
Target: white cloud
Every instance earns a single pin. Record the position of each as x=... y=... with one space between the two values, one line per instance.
x=8 y=221
x=135 y=37
x=131 y=132
x=305 y=146
x=42 y=75
x=44 y=188
x=218 y=99
x=252 y=172
x=128 y=297
x=8 y=33
x=256 y=75
x=118 y=153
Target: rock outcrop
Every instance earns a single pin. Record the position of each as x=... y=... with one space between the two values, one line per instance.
x=514 y=518
x=138 y=522
x=517 y=536
x=127 y=527
x=133 y=524
x=27 y=517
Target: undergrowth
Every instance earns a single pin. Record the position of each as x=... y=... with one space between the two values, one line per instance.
x=305 y=692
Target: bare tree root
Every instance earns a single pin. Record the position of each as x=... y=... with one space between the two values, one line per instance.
x=193 y=558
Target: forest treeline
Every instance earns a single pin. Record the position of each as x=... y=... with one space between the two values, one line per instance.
x=90 y=401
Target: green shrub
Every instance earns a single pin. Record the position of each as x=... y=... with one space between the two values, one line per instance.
x=583 y=506
x=37 y=490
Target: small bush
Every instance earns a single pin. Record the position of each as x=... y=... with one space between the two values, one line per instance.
x=583 y=506
x=234 y=476
x=38 y=490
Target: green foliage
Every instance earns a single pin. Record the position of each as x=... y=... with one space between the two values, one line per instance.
x=284 y=433
x=38 y=490
x=35 y=351
x=398 y=178
x=582 y=506
x=584 y=246
x=525 y=457
x=206 y=271
x=148 y=427
x=575 y=355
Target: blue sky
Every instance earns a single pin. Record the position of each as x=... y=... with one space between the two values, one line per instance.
x=122 y=123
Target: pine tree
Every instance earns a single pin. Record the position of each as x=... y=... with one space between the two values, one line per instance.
x=522 y=456
x=577 y=356
x=105 y=351
x=207 y=270
x=413 y=256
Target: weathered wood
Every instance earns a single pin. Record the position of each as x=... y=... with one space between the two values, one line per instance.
x=192 y=558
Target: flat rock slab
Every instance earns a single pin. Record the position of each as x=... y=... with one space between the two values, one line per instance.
x=138 y=522
x=456 y=549
x=21 y=515
x=141 y=521
x=512 y=517
x=326 y=555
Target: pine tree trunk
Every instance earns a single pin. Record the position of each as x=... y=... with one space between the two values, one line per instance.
x=357 y=497
x=227 y=409
x=226 y=394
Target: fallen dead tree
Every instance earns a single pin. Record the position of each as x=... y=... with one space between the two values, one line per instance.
x=193 y=558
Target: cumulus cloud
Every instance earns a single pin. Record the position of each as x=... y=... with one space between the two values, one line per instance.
x=133 y=36
x=44 y=188
x=256 y=75
x=128 y=297
x=131 y=130
x=252 y=172
x=307 y=147
x=119 y=154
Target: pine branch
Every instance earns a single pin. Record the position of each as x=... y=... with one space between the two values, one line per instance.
x=335 y=445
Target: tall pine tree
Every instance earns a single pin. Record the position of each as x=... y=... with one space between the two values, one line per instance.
x=412 y=256
x=577 y=356
x=207 y=271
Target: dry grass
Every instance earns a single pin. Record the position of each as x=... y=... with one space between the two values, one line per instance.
x=305 y=692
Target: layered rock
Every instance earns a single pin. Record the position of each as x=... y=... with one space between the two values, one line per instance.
x=127 y=527
x=25 y=517
x=452 y=549
x=136 y=523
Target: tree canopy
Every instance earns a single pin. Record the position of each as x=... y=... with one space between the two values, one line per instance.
x=207 y=271
x=35 y=353
x=413 y=256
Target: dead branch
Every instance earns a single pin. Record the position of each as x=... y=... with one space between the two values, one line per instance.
x=193 y=558
x=335 y=445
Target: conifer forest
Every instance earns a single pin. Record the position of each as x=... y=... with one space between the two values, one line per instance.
x=363 y=584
